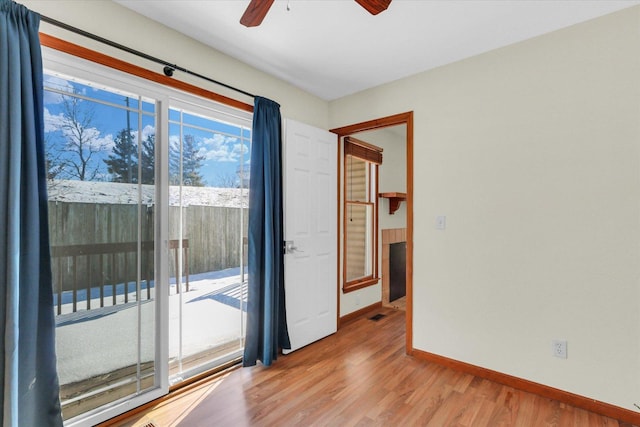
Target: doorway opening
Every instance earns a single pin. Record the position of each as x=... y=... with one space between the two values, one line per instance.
x=402 y=122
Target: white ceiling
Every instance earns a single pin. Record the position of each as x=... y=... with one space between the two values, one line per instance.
x=333 y=48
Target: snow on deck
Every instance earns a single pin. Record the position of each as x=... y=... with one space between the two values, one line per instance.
x=106 y=339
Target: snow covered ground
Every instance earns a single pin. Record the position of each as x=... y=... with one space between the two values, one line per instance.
x=116 y=193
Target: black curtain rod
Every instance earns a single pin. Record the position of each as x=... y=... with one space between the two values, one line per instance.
x=168 y=67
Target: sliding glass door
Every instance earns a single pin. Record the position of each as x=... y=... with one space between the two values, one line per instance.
x=208 y=195
x=148 y=196
x=100 y=151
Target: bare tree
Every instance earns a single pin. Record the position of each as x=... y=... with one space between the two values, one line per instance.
x=82 y=142
x=225 y=180
x=53 y=158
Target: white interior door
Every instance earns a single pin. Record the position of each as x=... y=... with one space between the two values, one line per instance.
x=310 y=206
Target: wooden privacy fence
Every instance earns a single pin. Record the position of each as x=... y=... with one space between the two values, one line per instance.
x=106 y=268
x=214 y=232
x=94 y=247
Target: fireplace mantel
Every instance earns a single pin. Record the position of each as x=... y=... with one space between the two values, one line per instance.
x=394 y=200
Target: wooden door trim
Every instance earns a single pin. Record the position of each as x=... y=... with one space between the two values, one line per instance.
x=394 y=120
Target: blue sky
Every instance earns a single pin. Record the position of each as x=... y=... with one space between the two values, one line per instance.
x=100 y=114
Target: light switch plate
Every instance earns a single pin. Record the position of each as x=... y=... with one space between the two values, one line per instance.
x=441 y=222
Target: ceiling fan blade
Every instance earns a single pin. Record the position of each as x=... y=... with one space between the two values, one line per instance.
x=255 y=13
x=374 y=7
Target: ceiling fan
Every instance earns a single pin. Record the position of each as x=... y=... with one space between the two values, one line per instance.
x=257 y=10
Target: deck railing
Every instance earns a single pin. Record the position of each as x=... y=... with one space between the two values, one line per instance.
x=105 y=269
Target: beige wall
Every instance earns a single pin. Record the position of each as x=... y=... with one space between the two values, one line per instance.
x=112 y=21
x=532 y=152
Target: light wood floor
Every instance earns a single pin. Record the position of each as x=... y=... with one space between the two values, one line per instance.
x=360 y=376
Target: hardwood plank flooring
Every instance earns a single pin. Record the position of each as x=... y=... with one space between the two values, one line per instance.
x=360 y=376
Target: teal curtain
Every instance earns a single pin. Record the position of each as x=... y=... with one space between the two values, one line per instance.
x=30 y=392
x=266 y=317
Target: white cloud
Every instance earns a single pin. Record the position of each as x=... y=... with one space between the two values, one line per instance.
x=104 y=142
x=203 y=152
x=148 y=130
x=240 y=149
x=218 y=148
x=92 y=137
x=52 y=122
x=58 y=84
x=216 y=155
x=221 y=148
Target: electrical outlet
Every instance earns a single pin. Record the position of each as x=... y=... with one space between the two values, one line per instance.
x=559 y=348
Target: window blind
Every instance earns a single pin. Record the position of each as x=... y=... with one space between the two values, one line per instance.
x=362 y=150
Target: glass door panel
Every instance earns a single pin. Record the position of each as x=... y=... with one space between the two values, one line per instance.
x=100 y=151
x=208 y=197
